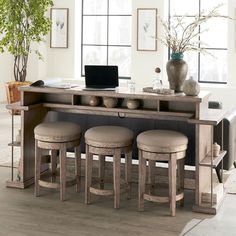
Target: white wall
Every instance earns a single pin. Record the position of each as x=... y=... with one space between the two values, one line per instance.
x=61 y=62
x=5 y=68
x=145 y=62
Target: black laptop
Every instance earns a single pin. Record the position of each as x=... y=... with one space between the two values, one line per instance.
x=100 y=77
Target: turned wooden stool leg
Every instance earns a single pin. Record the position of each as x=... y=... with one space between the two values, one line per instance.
x=128 y=169
x=53 y=164
x=62 y=172
x=38 y=153
x=172 y=185
x=151 y=176
x=88 y=174
x=101 y=170
x=78 y=168
x=116 y=177
x=142 y=181
x=180 y=169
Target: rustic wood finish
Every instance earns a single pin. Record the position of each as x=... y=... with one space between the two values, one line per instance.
x=101 y=149
x=172 y=161
x=54 y=147
x=37 y=102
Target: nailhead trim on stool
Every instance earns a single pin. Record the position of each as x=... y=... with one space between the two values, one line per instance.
x=57 y=136
x=161 y=145
x=102 y=141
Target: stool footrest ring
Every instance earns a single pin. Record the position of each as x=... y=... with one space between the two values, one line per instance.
x=47 y=184
x=161 y=199
x=102 y=192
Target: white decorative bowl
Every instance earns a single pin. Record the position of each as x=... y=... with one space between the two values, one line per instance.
x=110 y=102
x=191 y=87
x=93 y=101
x=133 y=104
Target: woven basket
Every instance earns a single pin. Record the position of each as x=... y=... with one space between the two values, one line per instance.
x=13 y=94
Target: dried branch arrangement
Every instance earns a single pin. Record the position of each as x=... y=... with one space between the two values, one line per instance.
x=181 y=36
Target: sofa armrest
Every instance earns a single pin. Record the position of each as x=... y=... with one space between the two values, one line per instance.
x=229 y=138
x=230 y=125
x=215 y=105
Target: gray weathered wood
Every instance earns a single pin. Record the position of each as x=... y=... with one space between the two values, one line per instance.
x=36 y=102
x=153 y=156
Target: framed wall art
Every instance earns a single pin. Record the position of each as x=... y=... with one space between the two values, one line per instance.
x=59 y=28
x=146 y=29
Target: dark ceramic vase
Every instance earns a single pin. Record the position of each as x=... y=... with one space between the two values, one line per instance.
x=177 y=70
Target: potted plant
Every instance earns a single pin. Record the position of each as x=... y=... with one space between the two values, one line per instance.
x=22 y=22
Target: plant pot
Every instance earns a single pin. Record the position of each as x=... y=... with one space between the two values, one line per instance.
x=13 y=94
x=177 y=70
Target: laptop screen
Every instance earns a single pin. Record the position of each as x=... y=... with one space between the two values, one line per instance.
x=97 y=76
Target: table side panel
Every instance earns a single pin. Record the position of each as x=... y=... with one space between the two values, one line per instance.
x=204 y=173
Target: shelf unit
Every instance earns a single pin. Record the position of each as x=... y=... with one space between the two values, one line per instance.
x=212 y=161
x=152 y=106
x=210 y=199
x=13 y=144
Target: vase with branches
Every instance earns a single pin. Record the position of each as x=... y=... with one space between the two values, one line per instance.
x=180 y=36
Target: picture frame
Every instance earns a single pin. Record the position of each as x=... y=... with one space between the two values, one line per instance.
x=235 y=28
x=59 y=27
x=146 y=29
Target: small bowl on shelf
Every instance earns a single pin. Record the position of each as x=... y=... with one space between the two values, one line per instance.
x=132 y=104
x=93 y=101
x=110 y=102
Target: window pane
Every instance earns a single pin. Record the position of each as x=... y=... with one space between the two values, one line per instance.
x=94 y=31
x=214 y=38
x=184 y=7
x=121 y=56
x=120 y=7
x=94 y=7
x=214 y=69
x=94 y=55
x=192 y=60
x=120 y=30
x=101 y=24
x=210 y=4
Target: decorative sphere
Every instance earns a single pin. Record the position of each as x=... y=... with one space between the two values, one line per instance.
x=133 y=104
x=93 y=101
x=191 y=87
x=110 y=102
x=158 y=70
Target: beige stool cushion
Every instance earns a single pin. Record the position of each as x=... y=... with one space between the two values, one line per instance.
x=164 y=141
x=57 y=132
x=109 y=136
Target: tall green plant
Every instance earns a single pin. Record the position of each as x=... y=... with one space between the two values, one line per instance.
x=22 y=22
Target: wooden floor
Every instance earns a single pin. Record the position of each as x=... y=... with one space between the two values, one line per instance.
x=23 y=214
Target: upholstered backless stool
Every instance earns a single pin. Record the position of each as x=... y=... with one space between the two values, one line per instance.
x=57 y=136
x=162 y=145
x=108 y=140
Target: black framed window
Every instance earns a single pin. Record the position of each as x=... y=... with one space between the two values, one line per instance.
x=205 y=68
x=106 y=34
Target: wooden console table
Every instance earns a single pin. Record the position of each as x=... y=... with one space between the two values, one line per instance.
x=36 y=102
